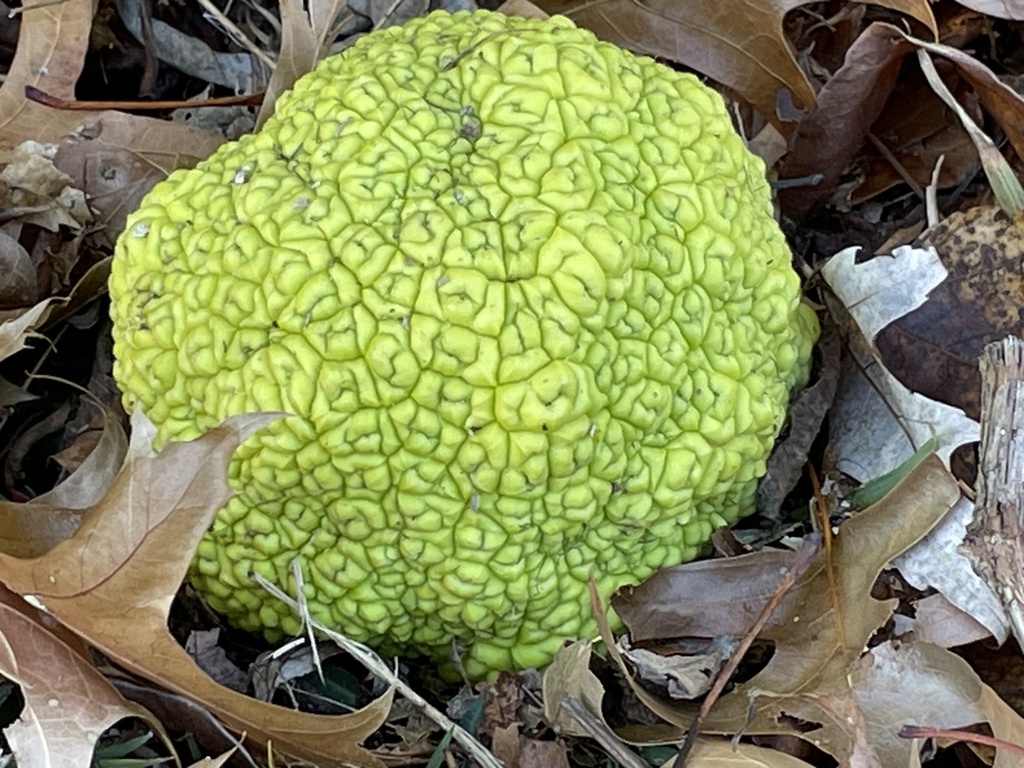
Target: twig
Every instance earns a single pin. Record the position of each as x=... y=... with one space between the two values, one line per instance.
x=26 y=8
x=925 y=732
x=808 y=549
x=56 y=102
x=601 y=733
x=387 y=14
x=240 y=37
x=931 y=206
x=305 y=617
x=897 y=166
x=376 y=665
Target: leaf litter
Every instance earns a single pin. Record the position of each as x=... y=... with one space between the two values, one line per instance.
x=832 y=96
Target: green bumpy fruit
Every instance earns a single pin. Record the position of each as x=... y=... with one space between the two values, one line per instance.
x=523 y=293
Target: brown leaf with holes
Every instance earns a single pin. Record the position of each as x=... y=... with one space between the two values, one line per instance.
x=819 y=630
x=112 y=582
x=934 y=350
x=737 y=43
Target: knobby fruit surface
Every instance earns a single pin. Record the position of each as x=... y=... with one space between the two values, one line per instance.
x=523 y=295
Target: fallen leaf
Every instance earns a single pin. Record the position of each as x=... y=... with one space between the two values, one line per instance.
x=202 y=645
x=923 y=684
x=680 y=676
x=735 y=589
x=569 y=675
x=51 y=51
x=35 y=527
x=939 y=562
x=876 y=422
x=506 y=745
x=936 y=620
x=188 y=716
x=719 y=753
x=542 y=754
x=935 y=348
x=305 y=34
x=1004 y=104
x=1001 y=9
x=17 y=327
x=872 y=93
x=734 y=42
x=68 y=703
x=18 y=285
x=819 y=629
x=44 y=195
x=828 y=137
x=807 y=411
x=113 y=580
x=1006 y=724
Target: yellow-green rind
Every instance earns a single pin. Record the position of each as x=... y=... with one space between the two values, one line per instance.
x=525 y=296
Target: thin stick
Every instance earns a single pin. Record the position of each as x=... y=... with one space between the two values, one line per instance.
x=376 y=665
x=601 y=733
x=56 y=102
x=808 y=549
x=237 y=33
x=926 y=732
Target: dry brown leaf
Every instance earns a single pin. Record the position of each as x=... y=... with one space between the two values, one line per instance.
x=819 y=629
x=51 y=50
x=18 y=286
x=37 y=526
x=734 y=42
x=17 y=327
x=38 y=192
x=734 y=589
x=569 y=675
x=305 y=32
x=939 y=621
x=915 y=129
x=827 y=139
x=718 y=753
x=506 y=745
x=113 y=581
x=112 y=156
x=525 y=8
x=936 y=688
x=1006 y=724
x=1004 y=104
x=68 y=703
x=534 y=753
